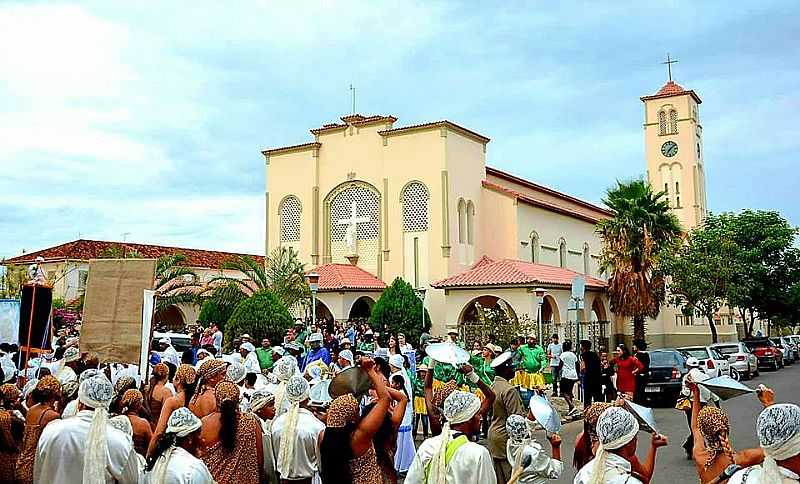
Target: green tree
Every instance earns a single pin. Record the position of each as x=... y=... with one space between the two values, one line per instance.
x=399 y=310
x=641 y=232
x=701 y=269
x=282 y=274
x=764 y=263
x=175 y=283
x=262 y=314
x=117 y=251
x=13 y=277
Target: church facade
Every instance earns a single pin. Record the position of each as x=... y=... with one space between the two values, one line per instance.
x=366 y=201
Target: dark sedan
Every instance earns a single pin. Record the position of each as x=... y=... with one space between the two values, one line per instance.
x=667 y=368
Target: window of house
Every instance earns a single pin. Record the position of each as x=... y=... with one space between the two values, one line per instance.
x=462 y=222
x=562 y=253
x=415 y=207
x=662 y=123
x=534 y=247
x=290 y=213
x=673 y=122
x=470 y=223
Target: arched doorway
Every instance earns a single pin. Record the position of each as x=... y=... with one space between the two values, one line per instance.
x=361 y=309
x=550 y=310
x=598 y=311
x=171 y=317
x=323 y=313
x=489 y=318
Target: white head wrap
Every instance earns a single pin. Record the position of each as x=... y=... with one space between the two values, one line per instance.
x=247 y=346
x=165 y=341
x=616 y=427
x=284 y=369
x=88 y=374
x=181 y=422
x=296 y=391
x=29 y=387
x=260 y=398
x=459 y=407
x=779 y=436
x=520 y=432
x=9 y=369
x=72 y=354
x=347 y=355
x=397 y=361
x=236 y=372
x=123 y=424
x=278 y=350
x=96 y=392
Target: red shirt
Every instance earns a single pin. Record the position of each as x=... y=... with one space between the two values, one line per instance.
x=626 y=382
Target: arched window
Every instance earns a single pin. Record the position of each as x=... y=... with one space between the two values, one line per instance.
x=415 y=207
x=462 y=221
x=470 y=223
x=662 y=123
x=562 y=253
x=290 y=212
x=534 y=247
x=673 y=122
x=586 y=258
x=698 y=151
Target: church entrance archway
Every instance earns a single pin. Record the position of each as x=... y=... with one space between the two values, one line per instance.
x=324 y=314
x=361 y=309
x=171 y=317
x=598 y=310
x=550 y=310
x=489 y=318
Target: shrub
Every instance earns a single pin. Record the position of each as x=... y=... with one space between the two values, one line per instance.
x=260 y=315
x=398 y=310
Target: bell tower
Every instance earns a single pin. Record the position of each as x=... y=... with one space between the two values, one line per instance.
x=673 y=138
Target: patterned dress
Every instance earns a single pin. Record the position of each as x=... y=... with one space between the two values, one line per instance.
x=240 y=465
x=27 y=454
x=11 y=431
x=365 y=470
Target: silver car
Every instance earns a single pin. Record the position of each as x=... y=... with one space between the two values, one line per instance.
x=740 y=357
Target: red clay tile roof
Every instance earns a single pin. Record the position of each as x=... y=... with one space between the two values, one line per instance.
x=514 y=273
x=671 y=88
x=346 y=277
x=83 y=249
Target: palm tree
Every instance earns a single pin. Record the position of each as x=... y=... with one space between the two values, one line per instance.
x=176 y=283
x=642 y=230
x=283 y=274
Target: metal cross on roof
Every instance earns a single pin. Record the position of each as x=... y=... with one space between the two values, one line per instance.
x=669 y=63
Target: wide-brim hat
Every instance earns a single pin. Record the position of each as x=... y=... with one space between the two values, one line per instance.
x=493 y=348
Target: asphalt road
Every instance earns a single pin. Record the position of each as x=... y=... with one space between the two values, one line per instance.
x=671 y=463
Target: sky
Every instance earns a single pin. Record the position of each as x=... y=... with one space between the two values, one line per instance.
x=144 y=121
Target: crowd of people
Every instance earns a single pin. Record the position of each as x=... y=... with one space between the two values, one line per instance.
x=241 y=413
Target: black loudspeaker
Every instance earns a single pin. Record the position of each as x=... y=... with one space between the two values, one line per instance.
x=34 y=318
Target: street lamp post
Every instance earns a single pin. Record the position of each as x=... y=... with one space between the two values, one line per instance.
x=421 y=295
x=313 y=283
x=540 y=292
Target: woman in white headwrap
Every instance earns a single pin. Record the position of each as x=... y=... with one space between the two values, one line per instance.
x=285 y=368
x=529 y=461
x=296 y=435
x=778 y=431
x=173 y=461
x=262 y=405
x=451 y=458
x=616 y=433
x=85 y=448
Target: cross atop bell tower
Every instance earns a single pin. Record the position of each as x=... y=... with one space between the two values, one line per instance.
x=669 y=63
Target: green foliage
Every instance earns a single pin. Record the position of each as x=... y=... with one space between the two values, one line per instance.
x=117 y=251
x=11 y=280
x=283 y=274
x=59 y=303
x=701 y=271
x=399 y=310
x=260 y=315
x=175 y=282
x=641 y=233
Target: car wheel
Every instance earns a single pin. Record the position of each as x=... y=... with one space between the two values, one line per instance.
x=735 y=374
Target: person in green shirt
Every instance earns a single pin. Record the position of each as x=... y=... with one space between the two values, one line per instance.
x=482 y=363
x=533 y=361
x=367 y=343
x=264 y=355
x=301 y=333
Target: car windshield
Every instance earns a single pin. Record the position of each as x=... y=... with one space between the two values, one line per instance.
x=700 y=353
x=665 y=358
x=716 y=354
x=727 y=350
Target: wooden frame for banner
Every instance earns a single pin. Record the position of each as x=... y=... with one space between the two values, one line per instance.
x=26 y=348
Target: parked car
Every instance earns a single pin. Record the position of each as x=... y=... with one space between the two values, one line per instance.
x=769 y=355
x=793 y=345
x=742 y=360
x=796 y=340
x=786 y=349
x=667 y=369
x=711 y=360
x=180 y=341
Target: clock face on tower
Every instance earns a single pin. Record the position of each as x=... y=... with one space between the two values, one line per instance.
x=669 y=149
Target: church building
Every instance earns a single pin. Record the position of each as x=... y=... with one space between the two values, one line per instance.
x=368 y=200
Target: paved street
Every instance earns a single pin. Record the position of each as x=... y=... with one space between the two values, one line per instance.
x=671 y=463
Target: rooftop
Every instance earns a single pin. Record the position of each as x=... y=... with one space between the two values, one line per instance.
x=671 y=88
x=83 y=249
x=487 y=272
x=347 y=277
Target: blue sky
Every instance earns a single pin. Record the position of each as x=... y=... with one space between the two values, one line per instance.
x=148 y=119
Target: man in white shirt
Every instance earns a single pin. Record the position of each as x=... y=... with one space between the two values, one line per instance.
x=85 y=448
x=778 y=430
x=616 y=433
x=569 y=375
x=66 y=368
x=554 y=354
x=296 y=435
x=217 y=335
x=451 y=457
x=177 y=464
